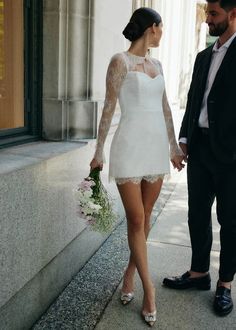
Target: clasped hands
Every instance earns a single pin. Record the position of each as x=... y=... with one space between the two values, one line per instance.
x=177 y=160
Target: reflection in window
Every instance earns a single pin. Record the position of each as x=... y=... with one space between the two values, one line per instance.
x=11 y=64
x=1 y=40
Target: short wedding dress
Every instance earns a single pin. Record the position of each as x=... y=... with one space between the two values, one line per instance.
x=140 y=146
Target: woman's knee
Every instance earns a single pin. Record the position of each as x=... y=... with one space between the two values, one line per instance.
x=136 y=221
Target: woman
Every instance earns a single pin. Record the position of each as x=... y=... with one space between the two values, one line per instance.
x=139 y=155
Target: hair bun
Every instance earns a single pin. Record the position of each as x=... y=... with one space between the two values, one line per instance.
x=132 y=31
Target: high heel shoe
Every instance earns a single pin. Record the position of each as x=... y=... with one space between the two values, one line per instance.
x=150 y=318
x=126 y=298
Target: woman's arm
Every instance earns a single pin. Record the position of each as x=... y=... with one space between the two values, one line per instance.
x=176 y=154
x=174 y=148
x=115 y=75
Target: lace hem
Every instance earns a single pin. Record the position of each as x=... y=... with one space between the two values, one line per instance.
x=137 y=180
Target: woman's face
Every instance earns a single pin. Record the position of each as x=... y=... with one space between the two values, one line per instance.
x=156 y=35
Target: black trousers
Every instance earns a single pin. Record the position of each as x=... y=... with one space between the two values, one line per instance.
x=208 y=179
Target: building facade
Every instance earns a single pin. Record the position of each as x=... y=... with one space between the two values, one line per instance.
x=53 y=60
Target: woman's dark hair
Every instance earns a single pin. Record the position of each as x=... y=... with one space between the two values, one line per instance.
x=141 y=19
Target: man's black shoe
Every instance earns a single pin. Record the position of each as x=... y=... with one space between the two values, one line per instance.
x=185 y=282
x=223 y=303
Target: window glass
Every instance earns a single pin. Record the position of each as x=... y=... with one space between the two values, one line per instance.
x=11 y=64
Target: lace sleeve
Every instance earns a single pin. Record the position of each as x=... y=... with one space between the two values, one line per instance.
x=174 y=148
x=116 y=73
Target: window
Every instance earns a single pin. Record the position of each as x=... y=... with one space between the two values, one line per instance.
x=11 y=65
x=20 y=71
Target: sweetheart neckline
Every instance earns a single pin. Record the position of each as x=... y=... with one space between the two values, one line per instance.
x=145 y=74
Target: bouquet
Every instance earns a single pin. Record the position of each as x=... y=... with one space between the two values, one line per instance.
x=95 y=204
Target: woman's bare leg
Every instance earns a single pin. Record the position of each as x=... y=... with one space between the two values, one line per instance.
x=150 y=193
x=138 y=201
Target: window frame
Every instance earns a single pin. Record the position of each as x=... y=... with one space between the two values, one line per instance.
x=33 y=63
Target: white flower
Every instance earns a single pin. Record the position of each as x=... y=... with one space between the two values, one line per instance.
x=94 y=204
x=88 y=193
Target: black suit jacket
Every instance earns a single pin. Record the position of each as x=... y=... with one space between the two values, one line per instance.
x=221 y=105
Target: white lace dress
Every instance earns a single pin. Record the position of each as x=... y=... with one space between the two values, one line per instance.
x=140 y=146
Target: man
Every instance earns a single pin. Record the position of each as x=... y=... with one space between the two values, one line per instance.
x=208 y=139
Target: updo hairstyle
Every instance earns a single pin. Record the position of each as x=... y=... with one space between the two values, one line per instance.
x=141 y=19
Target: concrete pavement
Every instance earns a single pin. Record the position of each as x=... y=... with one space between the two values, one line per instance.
x=91 y=301
x=82 y=303
x=169 y=254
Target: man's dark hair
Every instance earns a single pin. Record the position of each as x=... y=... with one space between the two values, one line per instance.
x=225 y=4
x=228 y=4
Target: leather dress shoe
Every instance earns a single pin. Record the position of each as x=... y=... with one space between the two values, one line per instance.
x=223 y=303
x=185 y=282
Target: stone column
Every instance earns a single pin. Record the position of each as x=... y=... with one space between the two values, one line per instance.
x=79 y=39
x=68 y=113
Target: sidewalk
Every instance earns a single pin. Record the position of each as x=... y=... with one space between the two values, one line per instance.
x=169 y=254
x=91 y=300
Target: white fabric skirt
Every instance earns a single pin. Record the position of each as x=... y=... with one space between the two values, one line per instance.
x=140 y=146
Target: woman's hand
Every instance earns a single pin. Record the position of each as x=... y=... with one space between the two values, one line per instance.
x=177 y=161
x=94 y=164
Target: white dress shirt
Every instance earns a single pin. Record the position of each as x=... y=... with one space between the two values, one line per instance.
x=216 y=60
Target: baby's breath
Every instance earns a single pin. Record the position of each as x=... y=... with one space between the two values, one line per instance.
x=95 y=204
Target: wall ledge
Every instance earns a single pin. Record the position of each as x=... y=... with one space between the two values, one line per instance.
x=19 y=157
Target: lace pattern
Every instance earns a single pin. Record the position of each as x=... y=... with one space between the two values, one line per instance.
x=174 y=148
x=119 y=65
x=115 y=75
x=137 y=180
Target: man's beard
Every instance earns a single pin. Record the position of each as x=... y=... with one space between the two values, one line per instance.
x=218 y=29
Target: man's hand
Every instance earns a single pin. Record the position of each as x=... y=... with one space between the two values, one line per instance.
x=183 y=147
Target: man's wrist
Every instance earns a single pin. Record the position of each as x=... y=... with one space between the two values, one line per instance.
x=183 y=140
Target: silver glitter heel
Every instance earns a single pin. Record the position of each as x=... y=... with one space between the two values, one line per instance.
x=150 y=318
x=126 y=298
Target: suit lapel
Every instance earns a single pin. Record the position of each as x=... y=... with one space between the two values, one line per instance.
x=228 y=58
x=206 y=65
x=203 y=68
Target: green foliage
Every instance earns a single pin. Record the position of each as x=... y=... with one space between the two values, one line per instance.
x=104 y=220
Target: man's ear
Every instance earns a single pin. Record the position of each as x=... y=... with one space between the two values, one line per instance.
x=233 y=13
